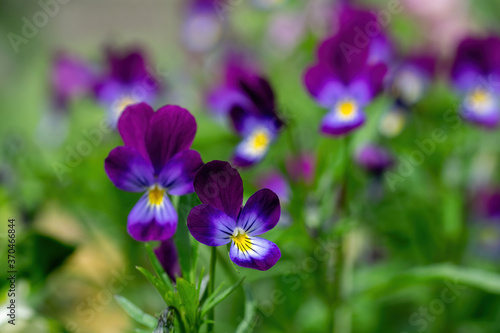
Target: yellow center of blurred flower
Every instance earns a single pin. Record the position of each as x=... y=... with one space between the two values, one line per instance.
x=155 y=195
x=260 y=140
x=480 y=100
x=122 y=103
x=241 y=240
x=346 y=109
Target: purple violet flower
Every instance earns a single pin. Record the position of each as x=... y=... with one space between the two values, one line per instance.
x=221 y=219
x=344 y=82
x=128 y=81
x=203 y=25
x=255 y=119
x=374 y=159
x=276 y=182
x=475 y=74
x=71 y=78
x=169 y=258
x=155 y=159
x=411 y=78
x=236 y=68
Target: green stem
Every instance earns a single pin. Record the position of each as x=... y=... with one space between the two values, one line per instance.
x=340 y=313
x=211 y=288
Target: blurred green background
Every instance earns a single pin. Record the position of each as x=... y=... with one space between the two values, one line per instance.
x=406 y=246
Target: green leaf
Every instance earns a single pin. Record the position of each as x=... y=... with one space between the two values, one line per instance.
x=217 y=297
x=247 y=324
x=136 y=313
x=159 y=269
x=189 y=298
x=155 y=281
x=455 y=275
x=182 y=237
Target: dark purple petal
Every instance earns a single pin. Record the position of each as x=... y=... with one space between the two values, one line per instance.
x=323 y=85
x=128 y=170
x=132 y=126
x=262 y=255
x=152 y=221
x=221 y=100
x=261 y=213
x=219 y=185
x=210 y=226
x=171 y=130
x=333 y=124
x=178 y=174
x=169 y=258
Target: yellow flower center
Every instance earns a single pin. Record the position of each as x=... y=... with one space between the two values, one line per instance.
x=122 y=103
x=480 y=100
x=346 y=109
x=260 y=139
x=155 y=196
x=241 y=240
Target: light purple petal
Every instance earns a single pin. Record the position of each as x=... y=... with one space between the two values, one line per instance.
x=219 y=185
x=210 y=226
x=152 y=222
x=323 y=85
x=132 y=126
x=333 y=124
x=261 y=213
x=262 y=255
x=128 y=170
x=171 y=130
x=179 y=172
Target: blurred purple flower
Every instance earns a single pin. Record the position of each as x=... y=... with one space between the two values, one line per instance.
x=255 y=118
x=374 y=159
x=71 y=78
x=155 y=159
x=236 y=67
x=487 y=203
x=128 y=81
x=276 y=182
x=411 y=78
x=221 y=219
x=301 y=167
x=203 y=25
x=169 y=258
x=366 y=31
x=344 y=82
x=476 y=74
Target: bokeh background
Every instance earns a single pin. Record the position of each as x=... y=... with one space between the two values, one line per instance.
x=411 y=239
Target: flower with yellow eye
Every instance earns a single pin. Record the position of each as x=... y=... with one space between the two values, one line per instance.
x=127 y=82
x=475 y=74
x=156 y=160
x=255 y=119
x=221 y=219
x=345 y=82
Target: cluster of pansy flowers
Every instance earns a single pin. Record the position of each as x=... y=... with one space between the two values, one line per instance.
x=156 y=160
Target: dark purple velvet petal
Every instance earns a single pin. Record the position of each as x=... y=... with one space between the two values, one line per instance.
x=169 y=258
x=128 y=170
x=219 y=185
x=262 y=255
x=132 y=126
x=178 y=174
x=152 y=222
x=261 y=213
x=210 y=226
x=171 y=130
